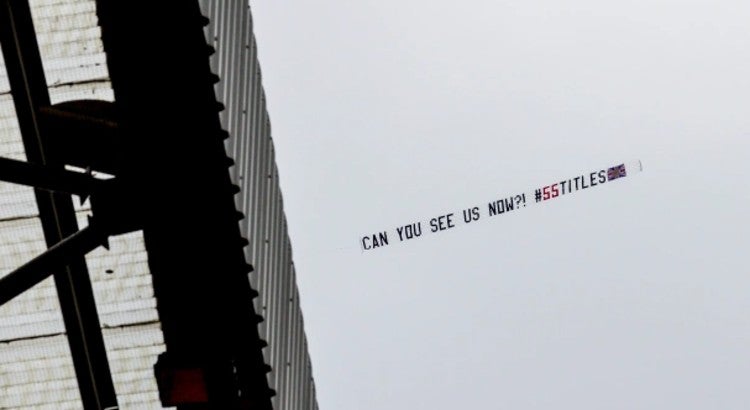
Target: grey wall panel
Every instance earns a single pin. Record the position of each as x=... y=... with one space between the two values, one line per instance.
x=251 y=146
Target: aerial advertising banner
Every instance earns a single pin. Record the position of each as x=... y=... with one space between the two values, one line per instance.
x=497 y=206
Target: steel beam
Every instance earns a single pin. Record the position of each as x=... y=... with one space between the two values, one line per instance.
x=48 y=179
x=54 y=258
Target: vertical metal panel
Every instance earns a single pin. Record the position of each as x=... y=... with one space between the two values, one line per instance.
x=256 y=166
x=251 y=146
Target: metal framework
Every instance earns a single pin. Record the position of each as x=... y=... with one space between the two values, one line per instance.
x=170 y=180
x=29 y=90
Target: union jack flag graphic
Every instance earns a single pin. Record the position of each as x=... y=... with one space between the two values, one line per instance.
x=616 y=172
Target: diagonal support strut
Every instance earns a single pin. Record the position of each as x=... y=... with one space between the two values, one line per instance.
x=53 y=259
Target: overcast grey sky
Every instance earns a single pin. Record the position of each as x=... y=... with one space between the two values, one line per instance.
x=632 y=295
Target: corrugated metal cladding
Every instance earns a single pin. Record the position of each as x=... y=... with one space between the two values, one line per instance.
x=250 y=145
x=36 y=370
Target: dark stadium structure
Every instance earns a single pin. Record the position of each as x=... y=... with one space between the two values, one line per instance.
x=182 y=155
